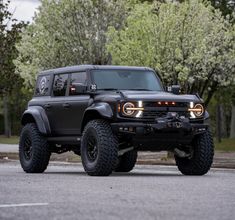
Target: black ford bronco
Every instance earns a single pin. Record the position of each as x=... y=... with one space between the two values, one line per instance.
x=108 y=113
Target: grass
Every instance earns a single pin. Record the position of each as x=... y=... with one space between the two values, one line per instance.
x=226 y=144
x=11 y=140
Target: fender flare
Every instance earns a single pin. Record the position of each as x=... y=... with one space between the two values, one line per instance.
x=38 y=114
x=206 y=116
x=103 y=110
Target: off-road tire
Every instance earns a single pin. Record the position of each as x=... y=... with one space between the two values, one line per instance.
x=202 y=158
x=107 y=148
x=127 y=161
x=39 y=156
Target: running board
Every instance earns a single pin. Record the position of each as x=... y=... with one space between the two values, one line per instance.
x=65 y=140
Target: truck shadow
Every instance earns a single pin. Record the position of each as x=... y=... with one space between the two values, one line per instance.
x=132 y=174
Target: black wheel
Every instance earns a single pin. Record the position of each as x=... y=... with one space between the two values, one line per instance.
x=34 y=152
x=126 y=162
x=202 y=156
x=99 y=148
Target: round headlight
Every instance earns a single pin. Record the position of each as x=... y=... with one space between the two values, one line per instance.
x=198 y=110
x=128 y=109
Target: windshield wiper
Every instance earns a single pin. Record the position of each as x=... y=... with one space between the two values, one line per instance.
x=107 y=89
x=141 y=89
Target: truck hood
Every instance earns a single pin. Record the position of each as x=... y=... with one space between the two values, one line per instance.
x=161 y=96
x=145 y=95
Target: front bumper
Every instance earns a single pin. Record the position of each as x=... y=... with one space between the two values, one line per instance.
x=139 y=128
x=161 y=135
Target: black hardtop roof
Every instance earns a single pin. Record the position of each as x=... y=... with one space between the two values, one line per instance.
x=86 y=67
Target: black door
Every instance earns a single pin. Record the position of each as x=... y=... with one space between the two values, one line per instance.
x=75 y=104
x=65 y=108
x=55 y=105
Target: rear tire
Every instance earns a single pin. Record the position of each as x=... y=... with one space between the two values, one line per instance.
x=34 y=151
x=127 y=161
x=201 y=161
x=99 y=148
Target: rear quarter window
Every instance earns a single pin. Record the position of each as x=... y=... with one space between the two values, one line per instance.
x=42 y=85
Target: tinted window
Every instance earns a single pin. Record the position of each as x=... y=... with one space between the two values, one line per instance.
x=60 y=84
x=126 y=79
x=42 y=85
x=79 y=78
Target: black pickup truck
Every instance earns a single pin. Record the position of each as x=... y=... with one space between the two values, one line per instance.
x=107 y=114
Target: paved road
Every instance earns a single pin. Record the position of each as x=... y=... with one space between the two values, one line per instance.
x=9 y=148
x=148 y=192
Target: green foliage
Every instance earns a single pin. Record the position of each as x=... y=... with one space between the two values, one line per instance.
x=227 y=145
x=11 y=140
x=188 y=43
x=227 y=7
x=68 y=33
x=10 y=83
x=9 y=34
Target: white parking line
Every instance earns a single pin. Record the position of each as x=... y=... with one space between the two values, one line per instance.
x=22 y=205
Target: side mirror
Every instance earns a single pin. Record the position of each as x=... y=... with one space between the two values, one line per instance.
x=77 y=88
x=175 y=89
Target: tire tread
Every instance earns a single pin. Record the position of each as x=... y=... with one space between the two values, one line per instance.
x=108 y=148
x=41 y=153
x=202 y=158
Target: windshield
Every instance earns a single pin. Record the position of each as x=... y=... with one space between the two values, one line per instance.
x=126 y=80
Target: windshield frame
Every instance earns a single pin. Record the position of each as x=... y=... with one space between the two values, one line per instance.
x=140 y=70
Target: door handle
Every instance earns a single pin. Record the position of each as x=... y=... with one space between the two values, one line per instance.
x=47 y=106
x=66 y=105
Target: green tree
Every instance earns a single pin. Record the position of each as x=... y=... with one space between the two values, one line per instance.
x=226 y=6
x=9 y=34
x=68 y=32
x=188 y=43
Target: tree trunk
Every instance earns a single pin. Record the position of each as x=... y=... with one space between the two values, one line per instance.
x=232 y=128
x=218 y=123
x=7 y=129
x=223 y=122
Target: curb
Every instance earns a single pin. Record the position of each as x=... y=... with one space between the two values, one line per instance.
x=5 y=157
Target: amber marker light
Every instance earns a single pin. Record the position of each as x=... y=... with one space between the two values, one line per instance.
x=164 y=103
x=119 y=108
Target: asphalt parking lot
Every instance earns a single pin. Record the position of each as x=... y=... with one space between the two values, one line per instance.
x=64 y=191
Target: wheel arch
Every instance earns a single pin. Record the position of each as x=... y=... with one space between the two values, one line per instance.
x=206 y=116
x=38 y=116
x=97 y=111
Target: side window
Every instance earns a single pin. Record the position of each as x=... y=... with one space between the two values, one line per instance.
x=60 y=84
x=42 y=85
x=80 y=78
x=77 y=79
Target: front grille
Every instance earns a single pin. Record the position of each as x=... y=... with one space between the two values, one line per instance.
x=177 y=104
x=153 y=110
